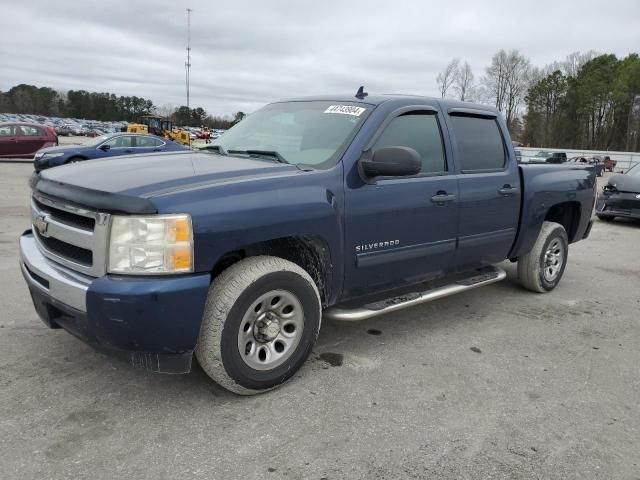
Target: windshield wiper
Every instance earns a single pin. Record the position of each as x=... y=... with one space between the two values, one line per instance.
x=262 y=153
x=214 y=148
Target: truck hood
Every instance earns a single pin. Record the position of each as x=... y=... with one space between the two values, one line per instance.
x=151 y=175
x=625 y=183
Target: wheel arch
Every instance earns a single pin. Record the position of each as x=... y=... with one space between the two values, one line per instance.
x=310 y=252
x=568 y=215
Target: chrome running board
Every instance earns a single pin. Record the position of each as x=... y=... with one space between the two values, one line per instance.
x=479 y=278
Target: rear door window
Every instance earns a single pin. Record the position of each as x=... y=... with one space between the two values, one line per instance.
x=421 y=132
x=479 y=142
x=148 y=142
x=29 y=131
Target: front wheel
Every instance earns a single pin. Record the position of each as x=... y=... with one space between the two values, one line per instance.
x=541 y=269
x=261 y=321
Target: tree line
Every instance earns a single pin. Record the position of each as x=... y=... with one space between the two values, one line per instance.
x=46 y=101
x=588 y=101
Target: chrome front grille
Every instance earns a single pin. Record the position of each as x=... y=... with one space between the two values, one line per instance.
x=72 y=236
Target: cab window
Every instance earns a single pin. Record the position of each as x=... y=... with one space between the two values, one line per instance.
x=421 y=132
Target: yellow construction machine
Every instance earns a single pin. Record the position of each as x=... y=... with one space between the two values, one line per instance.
x=160 y=126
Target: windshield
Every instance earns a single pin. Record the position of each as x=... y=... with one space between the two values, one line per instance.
x=309 y=133
x=634 y=171
x=543 y=154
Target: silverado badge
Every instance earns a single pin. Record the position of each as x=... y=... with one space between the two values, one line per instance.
x=41 y=225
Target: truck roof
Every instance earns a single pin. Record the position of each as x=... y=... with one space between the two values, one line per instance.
x=398 y=99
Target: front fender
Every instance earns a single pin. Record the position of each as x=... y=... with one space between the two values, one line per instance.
x=229 y=217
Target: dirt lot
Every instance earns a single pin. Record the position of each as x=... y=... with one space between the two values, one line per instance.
x=494 y=383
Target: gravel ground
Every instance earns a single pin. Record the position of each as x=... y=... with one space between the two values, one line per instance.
x=495 y=383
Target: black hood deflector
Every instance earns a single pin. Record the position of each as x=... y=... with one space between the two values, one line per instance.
x=95 y=199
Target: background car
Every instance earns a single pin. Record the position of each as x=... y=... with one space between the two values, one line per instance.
x=609 y=163
x=24 y=139
x=595 y=161
x=111 y=145
x=63 y=130
x=518 y=155
x=620 y=197
x=548 y=157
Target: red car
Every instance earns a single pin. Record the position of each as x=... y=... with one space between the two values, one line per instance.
x=203 y=134
x=25 y=139
x=609 y=164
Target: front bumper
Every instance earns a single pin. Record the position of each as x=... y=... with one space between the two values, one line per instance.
x=618 y=205
x=150 y=322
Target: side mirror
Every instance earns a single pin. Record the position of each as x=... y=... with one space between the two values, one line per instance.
x=392 y=162
x=104 y=147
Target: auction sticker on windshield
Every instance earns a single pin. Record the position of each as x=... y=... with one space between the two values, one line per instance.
x=345 y=110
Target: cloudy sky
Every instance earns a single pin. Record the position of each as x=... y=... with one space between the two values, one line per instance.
x=249 y=52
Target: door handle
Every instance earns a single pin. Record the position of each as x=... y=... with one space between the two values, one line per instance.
x=442 y=197
x=508 y=190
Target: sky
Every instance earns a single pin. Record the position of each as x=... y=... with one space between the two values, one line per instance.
x=246 y=53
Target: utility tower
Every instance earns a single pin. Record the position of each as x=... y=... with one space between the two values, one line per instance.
x=187 y=64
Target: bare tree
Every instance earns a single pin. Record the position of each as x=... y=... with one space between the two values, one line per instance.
x=446 y=78
x=463 y=82
x=166 y=110
x=574 y=62
x=518 y=82
x=506 y=82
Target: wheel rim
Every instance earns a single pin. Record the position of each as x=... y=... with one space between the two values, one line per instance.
x=553 y=260
x=271 y=330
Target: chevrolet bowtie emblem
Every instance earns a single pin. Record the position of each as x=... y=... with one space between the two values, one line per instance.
x=41 y=225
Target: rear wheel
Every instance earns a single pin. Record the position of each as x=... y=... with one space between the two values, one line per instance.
x=261 y=321
x=541 y=269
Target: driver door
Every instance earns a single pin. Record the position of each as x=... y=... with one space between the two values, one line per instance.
x=403 y=230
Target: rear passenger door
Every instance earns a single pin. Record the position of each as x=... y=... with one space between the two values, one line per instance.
x=489 y=188
x=31 y=138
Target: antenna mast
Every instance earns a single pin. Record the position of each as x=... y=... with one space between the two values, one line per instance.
x=187 y=64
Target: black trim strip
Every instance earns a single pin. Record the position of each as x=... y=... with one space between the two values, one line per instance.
x=102 y=201
x=472 y=112
x=370 y=259
x=472 y=241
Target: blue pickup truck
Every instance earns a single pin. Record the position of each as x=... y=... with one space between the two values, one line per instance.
x=336 y=207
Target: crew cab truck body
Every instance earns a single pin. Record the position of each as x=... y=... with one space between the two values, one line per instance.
x=336 y=206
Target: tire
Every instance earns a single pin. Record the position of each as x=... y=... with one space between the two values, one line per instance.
x=541 y=269
x=238 y=345
x=606 y=218
x=74 y=160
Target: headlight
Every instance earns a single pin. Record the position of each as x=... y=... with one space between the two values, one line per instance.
x=157 y=244
x=52 y=155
